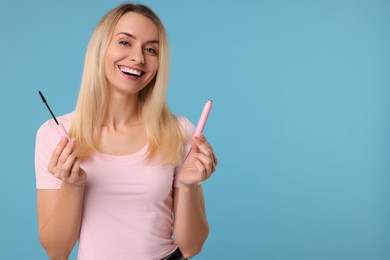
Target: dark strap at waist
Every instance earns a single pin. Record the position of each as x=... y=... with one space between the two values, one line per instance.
x=176 y=255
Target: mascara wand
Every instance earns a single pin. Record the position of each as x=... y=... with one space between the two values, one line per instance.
x=60 y=128
x=51 y=112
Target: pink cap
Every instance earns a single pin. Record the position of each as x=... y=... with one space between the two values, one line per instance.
x=203 y=118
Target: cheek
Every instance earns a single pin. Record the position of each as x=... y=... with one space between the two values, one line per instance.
x=112 y=55
x=153 y=65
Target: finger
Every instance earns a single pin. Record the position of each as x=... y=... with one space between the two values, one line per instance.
x=56 y=154
x=75 y=171
x=195 y=141
x=66 y=152
x=67 y=166
x=202 y=138
x=215 y=159
x=82 y=174
x=204 y=148
x=207 y=162
x=201 y=172
x=204 y=141
x=207 y=144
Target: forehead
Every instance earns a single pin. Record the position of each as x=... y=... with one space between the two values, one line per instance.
x=138 y=25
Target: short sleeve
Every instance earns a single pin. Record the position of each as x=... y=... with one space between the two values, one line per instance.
x=189 y=130
x=46 y=140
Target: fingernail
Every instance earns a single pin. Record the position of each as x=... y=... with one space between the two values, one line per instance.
x=73 y=140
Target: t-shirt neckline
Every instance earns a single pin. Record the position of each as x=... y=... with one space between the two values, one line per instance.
x=140 y=154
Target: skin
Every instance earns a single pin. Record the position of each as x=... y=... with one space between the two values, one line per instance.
x=134 y=45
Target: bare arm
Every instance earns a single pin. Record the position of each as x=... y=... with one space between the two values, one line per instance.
x=191 y=227
x=59 y=218
x=190 y=223
x=60 y=211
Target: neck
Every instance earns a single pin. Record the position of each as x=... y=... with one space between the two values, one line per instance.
x=122 y=111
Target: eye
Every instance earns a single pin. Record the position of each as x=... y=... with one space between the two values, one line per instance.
x=150 y=51
x=124 y=43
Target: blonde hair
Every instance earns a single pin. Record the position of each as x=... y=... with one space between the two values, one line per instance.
x=165 y=137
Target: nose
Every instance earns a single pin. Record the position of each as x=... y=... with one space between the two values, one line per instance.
x=138 y=57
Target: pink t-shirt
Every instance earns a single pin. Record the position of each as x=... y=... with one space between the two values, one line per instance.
x=128 y=201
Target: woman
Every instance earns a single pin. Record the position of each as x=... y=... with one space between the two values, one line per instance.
x=129 y=164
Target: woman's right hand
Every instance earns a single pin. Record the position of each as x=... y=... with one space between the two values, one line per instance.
x=65 y=165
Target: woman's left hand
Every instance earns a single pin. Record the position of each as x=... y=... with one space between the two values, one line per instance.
x=200 y=163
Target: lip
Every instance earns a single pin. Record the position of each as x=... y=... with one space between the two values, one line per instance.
x=129 y=76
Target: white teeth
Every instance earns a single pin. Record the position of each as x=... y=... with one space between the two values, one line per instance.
x=131 y=71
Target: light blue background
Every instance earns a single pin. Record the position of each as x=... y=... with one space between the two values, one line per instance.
x=300 y=123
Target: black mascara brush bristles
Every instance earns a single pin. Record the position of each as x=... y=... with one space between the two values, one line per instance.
x=51 y=112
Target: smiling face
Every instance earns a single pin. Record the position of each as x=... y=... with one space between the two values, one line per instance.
x=131 y=59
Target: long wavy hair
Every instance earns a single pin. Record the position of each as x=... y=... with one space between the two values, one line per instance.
x=165 y=137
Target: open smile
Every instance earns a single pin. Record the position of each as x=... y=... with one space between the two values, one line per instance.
x=131 y=71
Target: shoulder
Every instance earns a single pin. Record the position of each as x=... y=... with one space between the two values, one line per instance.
x=186 y=125
x=66 y=119
x=49 y=127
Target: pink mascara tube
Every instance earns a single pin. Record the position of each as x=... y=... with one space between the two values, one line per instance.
x=60 y=128
x=203 y=118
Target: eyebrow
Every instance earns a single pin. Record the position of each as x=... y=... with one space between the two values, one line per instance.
x=133 y=37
